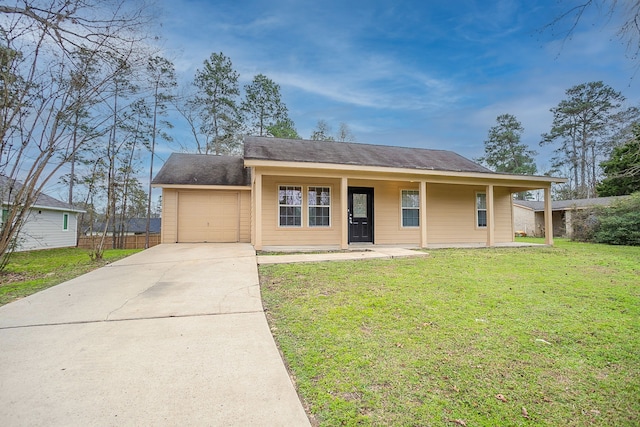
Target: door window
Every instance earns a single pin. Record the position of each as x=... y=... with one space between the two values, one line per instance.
x=359 y=205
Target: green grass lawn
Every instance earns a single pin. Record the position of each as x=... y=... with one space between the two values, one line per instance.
x=475 y=337
x=30 y=272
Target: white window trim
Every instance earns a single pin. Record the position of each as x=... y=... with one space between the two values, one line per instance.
x=330 y=205
x=402 y=208
x=475 y=206
x=65 y=215
x=278 y=206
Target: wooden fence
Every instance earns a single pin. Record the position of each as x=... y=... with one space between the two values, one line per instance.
x=130 y=242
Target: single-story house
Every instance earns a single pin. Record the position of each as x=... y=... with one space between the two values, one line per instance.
x=285 y=192
x=528 y=215
x=51 y=223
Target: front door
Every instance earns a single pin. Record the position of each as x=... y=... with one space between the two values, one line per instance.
x=360 y=214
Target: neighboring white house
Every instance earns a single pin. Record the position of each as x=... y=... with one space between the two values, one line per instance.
x=51 y=223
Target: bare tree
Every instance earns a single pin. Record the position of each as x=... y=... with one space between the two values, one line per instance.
x=38 y=42
x=345 y=134
x=162 y=79
x=627 y=11
x=322 y=131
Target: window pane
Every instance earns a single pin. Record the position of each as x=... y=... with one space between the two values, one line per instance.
x=481 y=200
x=319 y=199
x=294 y=196
x=359 y=205
x=319 y=196
x=319 y=217
x=290 y=202
x=482 y=218
x=325 y=197
x=290 y=216
x=290 y=196
x=410 y=199
x=410 y=218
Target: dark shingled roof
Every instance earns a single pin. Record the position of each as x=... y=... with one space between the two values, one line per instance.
x=43 y=200
x=132 y=225
x=203 y=169
x=346 y=153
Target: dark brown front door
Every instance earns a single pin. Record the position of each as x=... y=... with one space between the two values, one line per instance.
x=360 y=214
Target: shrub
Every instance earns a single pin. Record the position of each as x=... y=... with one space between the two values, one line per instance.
x=584 y=224
x=620 y=223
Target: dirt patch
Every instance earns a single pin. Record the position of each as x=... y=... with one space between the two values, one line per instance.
x=9 y=278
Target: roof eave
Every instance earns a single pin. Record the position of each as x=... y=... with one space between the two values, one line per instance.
x=51 y=208
x=202 y=186
x=404 y=171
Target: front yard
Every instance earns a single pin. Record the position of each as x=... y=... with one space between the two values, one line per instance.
x=477 y=337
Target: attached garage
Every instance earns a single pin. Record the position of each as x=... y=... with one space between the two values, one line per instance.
x=205 y=199
x=208 y=216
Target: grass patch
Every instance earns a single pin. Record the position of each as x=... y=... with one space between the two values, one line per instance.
x=464 y=337
x=30 y=272
x=537 y=240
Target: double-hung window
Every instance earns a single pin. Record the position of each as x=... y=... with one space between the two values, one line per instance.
x=290 y=205
x=481 y=209
x=319 y=200
x=410 y=208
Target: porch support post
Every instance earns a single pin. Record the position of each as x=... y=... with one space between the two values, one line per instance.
x=257 y=213
x=548 y=217
x=344 y=213
x=423 y=214
x=490 y=217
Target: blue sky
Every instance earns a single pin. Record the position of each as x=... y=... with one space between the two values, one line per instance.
x=430 y=74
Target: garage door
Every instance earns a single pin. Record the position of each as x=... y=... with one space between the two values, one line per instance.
x=208 y=216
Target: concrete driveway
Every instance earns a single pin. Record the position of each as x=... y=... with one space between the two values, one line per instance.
x=174 y=335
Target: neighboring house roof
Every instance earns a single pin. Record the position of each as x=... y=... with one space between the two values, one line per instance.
x=347 y=153
x=132 y=225
x=139 y=225
x=43 y=201
x=563 y=205
x=203 y=169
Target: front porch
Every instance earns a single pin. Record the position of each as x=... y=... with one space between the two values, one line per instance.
x=443 y=211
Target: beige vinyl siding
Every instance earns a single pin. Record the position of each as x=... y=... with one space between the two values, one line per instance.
x=451 y=215
x=245 y=216
x=503 y=215
x=274 y=235
x=387 y=213
x=169 y=224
